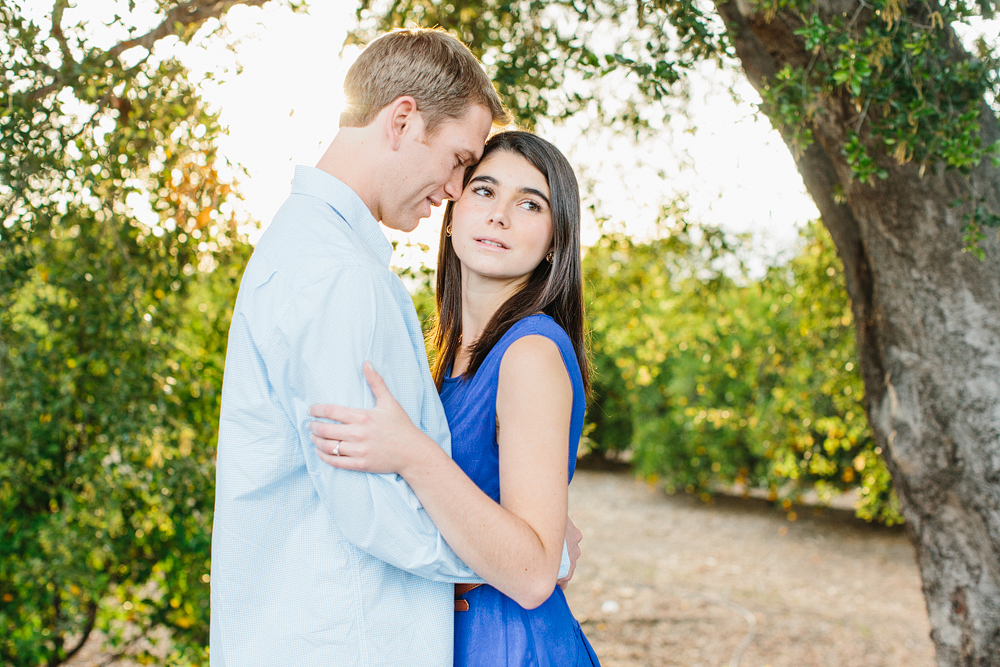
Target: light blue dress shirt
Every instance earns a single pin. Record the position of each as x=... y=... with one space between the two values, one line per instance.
x=314 y=566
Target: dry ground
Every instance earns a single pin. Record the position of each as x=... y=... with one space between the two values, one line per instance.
x=669 y=580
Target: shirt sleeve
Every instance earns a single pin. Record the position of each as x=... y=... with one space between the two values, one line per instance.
x=333 y=326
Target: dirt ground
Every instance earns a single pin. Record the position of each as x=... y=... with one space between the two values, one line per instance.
x=670 y=580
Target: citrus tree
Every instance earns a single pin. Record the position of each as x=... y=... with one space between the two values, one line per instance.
x=717 y=380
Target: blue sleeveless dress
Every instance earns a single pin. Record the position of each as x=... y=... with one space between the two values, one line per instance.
x=496 y=631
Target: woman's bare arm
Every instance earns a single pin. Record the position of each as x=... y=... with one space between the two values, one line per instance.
x=515 y=546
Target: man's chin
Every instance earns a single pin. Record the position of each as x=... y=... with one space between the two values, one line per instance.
x=404 y=226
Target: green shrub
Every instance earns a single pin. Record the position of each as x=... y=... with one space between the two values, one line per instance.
x=119 y=261
x=715 y=380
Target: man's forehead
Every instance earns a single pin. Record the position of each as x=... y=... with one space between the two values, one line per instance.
x=468 y=132
x=476 y=152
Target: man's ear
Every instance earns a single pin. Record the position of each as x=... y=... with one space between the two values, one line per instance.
x=401 y=119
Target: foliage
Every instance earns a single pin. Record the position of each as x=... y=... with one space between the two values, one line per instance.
x=716 y=381
x=117 y=253
x=919 y=107
x=917 y=94
x=119 y=260
x=545 y=61
x=918 y=98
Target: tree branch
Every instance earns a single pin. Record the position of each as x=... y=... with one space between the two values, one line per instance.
x=57 y=31
x=193 y=12
x=91 y=621
x=182 y=16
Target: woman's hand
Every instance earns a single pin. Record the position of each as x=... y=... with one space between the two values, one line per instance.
x=380 y=440
x=573 y=538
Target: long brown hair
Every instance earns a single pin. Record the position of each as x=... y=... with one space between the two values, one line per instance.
x=555 y=288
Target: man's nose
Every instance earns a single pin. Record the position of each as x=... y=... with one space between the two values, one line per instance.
x=453 y=188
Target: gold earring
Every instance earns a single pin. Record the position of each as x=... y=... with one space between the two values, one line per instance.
x=447 y=230
x=548 y=258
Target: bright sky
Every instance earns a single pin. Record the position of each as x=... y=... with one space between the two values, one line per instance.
x=279 y=92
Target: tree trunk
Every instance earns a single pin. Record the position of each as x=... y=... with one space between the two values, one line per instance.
x=928 y=325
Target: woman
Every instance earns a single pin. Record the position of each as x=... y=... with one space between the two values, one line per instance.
x=511 y=370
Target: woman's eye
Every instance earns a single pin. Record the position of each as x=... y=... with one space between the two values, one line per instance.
x=482 y=191
x=532 y=205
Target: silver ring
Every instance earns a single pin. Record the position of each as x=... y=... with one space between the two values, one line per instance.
x=336 y=450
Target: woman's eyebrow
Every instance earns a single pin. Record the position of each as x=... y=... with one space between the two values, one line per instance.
x=486 y=178
x=537 y=193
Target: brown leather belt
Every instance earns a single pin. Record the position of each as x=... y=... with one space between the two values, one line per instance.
x=460 y=590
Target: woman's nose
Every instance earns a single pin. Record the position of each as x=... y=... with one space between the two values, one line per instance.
x=498 y=215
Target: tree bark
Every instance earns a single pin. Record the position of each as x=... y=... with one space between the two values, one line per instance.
x=928 y=327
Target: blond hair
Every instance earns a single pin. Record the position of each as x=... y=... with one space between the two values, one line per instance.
x=431 y=66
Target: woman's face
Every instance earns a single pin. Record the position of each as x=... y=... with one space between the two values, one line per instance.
x=502 y=223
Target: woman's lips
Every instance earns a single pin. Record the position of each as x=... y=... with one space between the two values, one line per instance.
x=492 y=243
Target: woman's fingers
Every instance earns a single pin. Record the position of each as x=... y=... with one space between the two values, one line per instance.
x=332 y=431
x=342 y=462
x=336 y=412
x=363 y=440
x=345 y=455
x=337 y=452
x=379 y=388
x=328 y=446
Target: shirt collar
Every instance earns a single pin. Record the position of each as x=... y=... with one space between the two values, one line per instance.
x=317 y=183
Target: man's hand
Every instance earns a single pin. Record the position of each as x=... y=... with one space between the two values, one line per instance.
x=573 y=537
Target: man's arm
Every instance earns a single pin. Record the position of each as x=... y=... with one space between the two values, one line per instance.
x=334 y=325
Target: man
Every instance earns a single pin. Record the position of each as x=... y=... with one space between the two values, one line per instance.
x=313 y=565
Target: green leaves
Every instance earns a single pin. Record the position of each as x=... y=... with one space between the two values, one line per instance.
x=977 y=221
x=112 y=336
x=815 y=33
x=558 y=59
x=863 y=167
x=918 y=97
x=714 y=379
